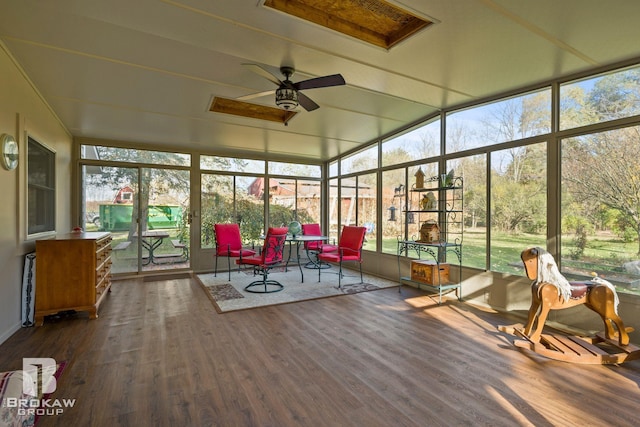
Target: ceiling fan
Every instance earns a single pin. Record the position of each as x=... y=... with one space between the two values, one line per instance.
x=288 y=94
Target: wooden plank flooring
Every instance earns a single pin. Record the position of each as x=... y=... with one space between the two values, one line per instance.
x=160 y=355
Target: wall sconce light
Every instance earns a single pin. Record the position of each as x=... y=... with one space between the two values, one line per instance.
x=9 y=152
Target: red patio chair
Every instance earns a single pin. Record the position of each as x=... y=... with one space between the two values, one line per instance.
x=271 y=256
x=229 y=244
x=312 y=248
x=349 y=249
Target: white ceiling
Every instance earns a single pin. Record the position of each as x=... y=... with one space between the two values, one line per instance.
x=145 y=71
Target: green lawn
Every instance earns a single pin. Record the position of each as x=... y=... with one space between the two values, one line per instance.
x=604 y=255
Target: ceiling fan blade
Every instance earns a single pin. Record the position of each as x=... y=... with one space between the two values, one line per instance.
x=306 y=102
x=326 y=81
x=256 y=95
x=264 y=73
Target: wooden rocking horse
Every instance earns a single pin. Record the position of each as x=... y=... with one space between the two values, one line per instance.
x=551 y=291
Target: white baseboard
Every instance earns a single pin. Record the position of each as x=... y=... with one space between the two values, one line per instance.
x=6 y=334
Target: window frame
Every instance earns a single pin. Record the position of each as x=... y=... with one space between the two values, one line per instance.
x=47 y=227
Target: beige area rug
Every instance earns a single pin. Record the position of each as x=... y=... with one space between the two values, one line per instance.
x=230 y=296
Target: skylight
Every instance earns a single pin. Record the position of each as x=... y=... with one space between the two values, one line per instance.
x=373 y=21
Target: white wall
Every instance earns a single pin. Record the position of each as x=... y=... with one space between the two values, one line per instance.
x=23 y=111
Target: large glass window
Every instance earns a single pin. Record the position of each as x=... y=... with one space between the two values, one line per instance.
x=233 y=196
x=308 y=201
x=600 y=207
x=394 y=206
x=518 y=204
x=358 y=205
x=501 y=121
x=416 y=144
x=363 y=160
x=132 y=155
x=282 y=202
x=601 y=98
x=367 y=208
x=334 y=210
x=295 y=169
x=501 y=151
x=473 y=170
x=231 y=164
x=333 y=169
x=146 y=209
x=216 y=202
x=236 y=199
x=293 y=200
x=348 y=193
x=428 y=171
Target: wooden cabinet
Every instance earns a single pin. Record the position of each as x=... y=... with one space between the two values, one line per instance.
x=73 y=272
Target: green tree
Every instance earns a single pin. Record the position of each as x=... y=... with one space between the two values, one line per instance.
x=604 y=168
x=153 y=180
x=616 y=95
x=518 y=189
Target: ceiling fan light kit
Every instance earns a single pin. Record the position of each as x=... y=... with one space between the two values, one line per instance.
x=286 y=98
x=288 y=95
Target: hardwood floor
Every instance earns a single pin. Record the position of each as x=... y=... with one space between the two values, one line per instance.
x=160 y=355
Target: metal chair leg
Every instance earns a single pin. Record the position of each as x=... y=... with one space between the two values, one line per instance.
x=265 y=283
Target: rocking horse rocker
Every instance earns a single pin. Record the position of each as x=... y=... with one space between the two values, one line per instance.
x=551 y=291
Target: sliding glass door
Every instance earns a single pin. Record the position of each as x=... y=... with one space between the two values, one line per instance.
x=146 y=210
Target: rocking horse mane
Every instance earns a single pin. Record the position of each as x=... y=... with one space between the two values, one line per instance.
x=548 y=272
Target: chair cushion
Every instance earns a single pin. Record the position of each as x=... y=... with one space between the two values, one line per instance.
x=329 y=257
x=313 y=246
x=271 y=251
x=335 y=257
x=311 y=230
x=236 y=253
x=348 y=249
x=352 y=237
x=274 y=245
x=252 y=260
x=227 y=238
x=327 y=248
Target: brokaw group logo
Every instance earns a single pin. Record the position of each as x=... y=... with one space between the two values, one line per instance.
x=38 y=380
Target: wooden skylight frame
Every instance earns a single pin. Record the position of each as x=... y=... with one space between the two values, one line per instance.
x=373 y=21
x=253 y=111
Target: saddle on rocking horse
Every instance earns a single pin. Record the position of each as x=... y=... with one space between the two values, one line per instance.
x=552 y=291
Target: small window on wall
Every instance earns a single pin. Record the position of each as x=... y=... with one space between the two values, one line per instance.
x=41 y=198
